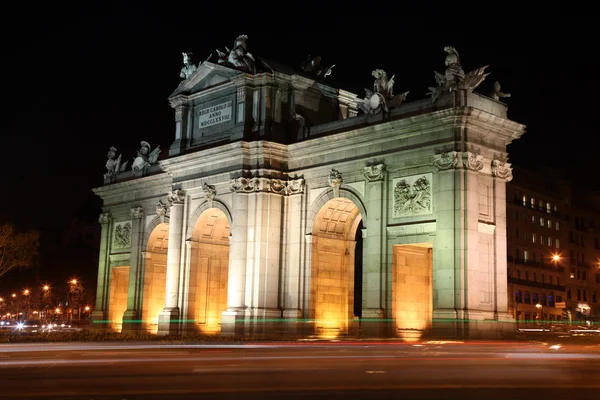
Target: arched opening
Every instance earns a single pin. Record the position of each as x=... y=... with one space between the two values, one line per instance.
x=333 y=267
x=155 y=280
x=117 y=301
x=209 y=269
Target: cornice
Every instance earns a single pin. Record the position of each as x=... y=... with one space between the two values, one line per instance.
x=144 y=183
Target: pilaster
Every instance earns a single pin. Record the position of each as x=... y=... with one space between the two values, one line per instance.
x=102 y=289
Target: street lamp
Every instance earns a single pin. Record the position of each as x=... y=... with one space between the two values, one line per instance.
x=539 y=307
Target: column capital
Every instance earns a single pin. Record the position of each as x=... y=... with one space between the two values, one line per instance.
x=209 y=192
x=161 y=210
x=104 y=218
x=176 y=196
x=502 y=170
x=472 y=161
x=374 y=173
x=136 y=212
x=447 y=160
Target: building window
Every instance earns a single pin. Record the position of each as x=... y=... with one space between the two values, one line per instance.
x=527 y=298
x=533 y=219
x=557 y=225
x=525 y=255
x=558 y=280
x=518 y=297
x=557 y=243
x=548 y=208
x=534 y=298
x=551 y=300
x=532 y=202
x=549 y=241
x=542 y=222
x=543 y=278
x=559 y=299
x=550 y=278
x=584 y=295
x=583 y=276
x=541 y=239
x=533 y=237
x=525 y=200
x=568 y=294
x=549 y=223
x=579 y=294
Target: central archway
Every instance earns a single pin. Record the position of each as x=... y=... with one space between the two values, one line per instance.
x=333 y=266
x=209 y=269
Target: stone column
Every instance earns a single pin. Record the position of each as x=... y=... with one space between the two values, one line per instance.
x=502 y=173
x=181 y=129
x=102 y=289
x=373 y=251
x=291 y=289
x=232 y=320
x=168 y=320
x=131 y=317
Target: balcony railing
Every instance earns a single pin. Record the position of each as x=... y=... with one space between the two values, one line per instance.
x=538 y=285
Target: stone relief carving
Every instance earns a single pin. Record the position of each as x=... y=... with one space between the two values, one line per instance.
x=374 y=172
x=472 y=161
x=454 y=78
x=179 y=113
x=104 y=218
x=496 y=93
x=238 y=57
x=188 y=67
x=413 y=195
x=122 y=235
x=241 y=94
x=502 y=169
x=161 y=210
x=113 y=164
x=136 y=212
x=209 y=191
x=382 y=97
x=335 y=178
x=279 y=186
x=314 y=66
x=176 y=196
x=145 y=158
x=446 y=160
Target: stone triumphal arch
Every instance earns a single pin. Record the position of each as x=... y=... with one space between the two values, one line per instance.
x=286 y=204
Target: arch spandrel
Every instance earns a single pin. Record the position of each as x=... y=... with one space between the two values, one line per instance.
x=195 y=216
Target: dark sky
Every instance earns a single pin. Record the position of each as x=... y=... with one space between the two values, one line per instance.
x=82 y=80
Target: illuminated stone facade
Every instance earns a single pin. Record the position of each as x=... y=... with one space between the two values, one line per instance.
x=280 y=208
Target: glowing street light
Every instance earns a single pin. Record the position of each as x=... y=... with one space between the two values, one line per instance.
x=556 y=257
x=74 y=281
x=26 y=292
x=46 y=287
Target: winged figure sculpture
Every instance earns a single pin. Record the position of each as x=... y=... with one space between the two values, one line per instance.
x=382 y=96
x=454 y=78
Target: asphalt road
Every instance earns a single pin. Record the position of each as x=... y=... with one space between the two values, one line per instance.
x=316 y=371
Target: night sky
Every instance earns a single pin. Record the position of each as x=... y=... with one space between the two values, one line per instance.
x=82 y=80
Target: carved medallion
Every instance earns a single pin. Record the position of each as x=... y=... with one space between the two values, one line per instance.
x=277 y=186
x=244 y=185
x=136 y=212
x=447 y=160
x=122 y=235
x=374 y=172
x=413 y=195
x=295 y=186
x=176 y=196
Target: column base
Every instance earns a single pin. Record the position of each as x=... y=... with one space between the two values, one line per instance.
x=131 y=323
x=99 y=322
x=168 y=324
x=372 y=323
x=232 y=322
x=447 y=324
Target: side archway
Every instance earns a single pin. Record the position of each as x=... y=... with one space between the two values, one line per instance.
x=209 y=269
x=155 y=270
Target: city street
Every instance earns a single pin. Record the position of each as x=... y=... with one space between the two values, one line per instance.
x=355 y=370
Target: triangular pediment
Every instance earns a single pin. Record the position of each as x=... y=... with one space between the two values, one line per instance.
x=206 y=76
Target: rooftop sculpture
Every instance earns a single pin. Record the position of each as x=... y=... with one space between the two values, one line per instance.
x=313 y=65
x=382 y=97
x=145 y=158
x=188 y=67
x=496 y=93
x=113 y=164
x=238 y=57
x=454 y=78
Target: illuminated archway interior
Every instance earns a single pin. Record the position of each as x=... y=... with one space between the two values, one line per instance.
x=117 y=302
x=209 y=268
x=412 y=298
x=332 y=271
x=155 y=276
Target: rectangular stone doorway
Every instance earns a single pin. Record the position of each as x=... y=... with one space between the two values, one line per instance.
x=412 y=290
